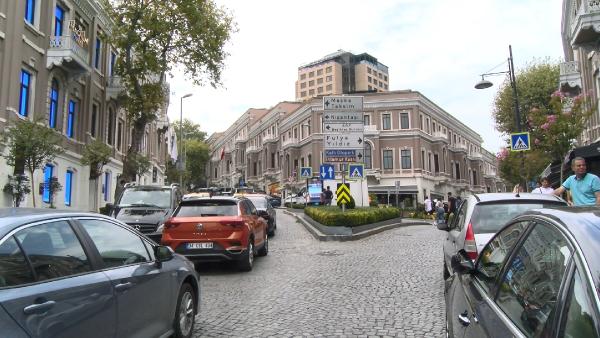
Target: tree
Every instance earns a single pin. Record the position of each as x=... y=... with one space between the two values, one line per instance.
x=509 y=164
x=191 y=130
x=152 y=37
x=555 y=130
x=30 y=146
x=96 y=155
x=535 y=85
x=18 y=187
x=196 y=156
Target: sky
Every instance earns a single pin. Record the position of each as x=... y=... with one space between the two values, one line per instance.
x=435 y=47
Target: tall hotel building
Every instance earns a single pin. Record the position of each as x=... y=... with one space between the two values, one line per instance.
x=56 y=65
x=341 y=73
x=410 y=141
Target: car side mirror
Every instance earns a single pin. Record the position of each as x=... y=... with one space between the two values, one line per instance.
x=461 y=263
x=443 y=226
x=163 y=253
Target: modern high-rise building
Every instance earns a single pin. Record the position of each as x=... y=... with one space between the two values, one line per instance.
x=341 y=73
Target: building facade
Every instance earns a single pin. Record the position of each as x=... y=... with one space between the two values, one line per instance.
x=58 y=68
x=341 y=73
x=410 y=143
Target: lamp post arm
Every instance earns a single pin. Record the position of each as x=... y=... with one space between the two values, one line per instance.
x=495 y=73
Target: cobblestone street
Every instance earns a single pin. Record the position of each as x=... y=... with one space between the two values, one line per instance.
x=389 y=284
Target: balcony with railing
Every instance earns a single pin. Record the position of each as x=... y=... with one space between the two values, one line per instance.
x=458 y=147
x=253 y=149
x=70 y=53
x=241 y=139
x=290 y=142
x=440 y=136
x=585 y=26
x=371 y=129
x=113 y=87
x=270 y=138
x=459 y=182
x=475 y=155
x=570 y=74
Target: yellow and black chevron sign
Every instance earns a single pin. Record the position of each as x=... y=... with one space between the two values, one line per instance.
x=343 y=193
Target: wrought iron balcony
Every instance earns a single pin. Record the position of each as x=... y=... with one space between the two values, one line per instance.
x=113 y=87
x=570 y=74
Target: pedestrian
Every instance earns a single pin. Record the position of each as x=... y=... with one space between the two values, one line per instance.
x=545 y=187
x=583 y=186
x=451 y=205
x=517 y=189
x=328 y=196
x=439 y=205
x=428 y=207
x=322 y=197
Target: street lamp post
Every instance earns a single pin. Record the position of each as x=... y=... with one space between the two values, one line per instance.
x=181 y=139
x=483 y=84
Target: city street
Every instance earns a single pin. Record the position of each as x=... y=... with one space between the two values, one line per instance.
x=389 y=284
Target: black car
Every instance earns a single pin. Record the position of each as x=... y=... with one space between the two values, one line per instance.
x=265 y=210
x=275 y=201
x=537 y=277
x=146 y=207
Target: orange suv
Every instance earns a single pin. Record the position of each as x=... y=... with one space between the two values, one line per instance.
x=220 y=228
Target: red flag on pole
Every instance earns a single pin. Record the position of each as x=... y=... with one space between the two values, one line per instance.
x=222 y=153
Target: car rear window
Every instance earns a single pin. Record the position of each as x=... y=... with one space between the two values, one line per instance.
x=259 y=202
x=490 y=217
x=207 y=208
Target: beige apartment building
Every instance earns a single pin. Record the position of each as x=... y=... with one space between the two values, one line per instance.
x=341 y=73
x=409 y=141
x=55 y=65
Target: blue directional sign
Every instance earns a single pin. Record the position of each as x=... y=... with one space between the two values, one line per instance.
x=326 y=172
x=356 y=170
x=519 y=142
x=306 y=172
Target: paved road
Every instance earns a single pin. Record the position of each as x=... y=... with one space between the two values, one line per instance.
x=386 y=285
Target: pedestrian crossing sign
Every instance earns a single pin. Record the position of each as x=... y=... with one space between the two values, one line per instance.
x=356 y=171
x=519 y=142
x=306 y=172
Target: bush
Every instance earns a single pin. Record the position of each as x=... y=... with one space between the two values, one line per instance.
x=333 y=216
x=373 y=200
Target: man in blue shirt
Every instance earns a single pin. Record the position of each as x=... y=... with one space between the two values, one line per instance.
x=583 y=186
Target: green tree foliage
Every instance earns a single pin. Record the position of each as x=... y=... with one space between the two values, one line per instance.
x=535 y=85
x=30 y=146
x=191 y=130
x=96 y=155
x=152 y=37
x=18 y=187
x=196 y=155
x=514 y=166
x=554 y=130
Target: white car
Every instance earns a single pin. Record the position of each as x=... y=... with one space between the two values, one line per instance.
x=294 y=199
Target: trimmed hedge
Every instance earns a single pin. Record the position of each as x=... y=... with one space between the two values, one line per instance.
x=333 y=216
x=294 y=205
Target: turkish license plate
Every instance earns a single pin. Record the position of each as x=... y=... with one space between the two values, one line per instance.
x=206 y=245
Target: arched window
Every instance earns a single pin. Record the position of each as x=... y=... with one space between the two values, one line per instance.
x=368 y=157
x=53 y=109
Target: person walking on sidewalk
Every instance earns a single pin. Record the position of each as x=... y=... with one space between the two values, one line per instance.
x=328 y=196
x=451 y=206
x=439 y=205
x=428 y=206
x=583 y=186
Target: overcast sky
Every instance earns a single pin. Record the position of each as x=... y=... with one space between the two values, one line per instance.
x=436 y=47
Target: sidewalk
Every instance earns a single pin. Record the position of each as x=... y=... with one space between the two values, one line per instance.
x=341 y=233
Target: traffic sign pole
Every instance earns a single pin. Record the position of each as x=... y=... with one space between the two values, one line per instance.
x=343 y=182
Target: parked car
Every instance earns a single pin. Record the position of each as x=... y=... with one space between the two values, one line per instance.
x=537 y=277
x=294 y=199
x=146 y=207
x=274 y=200
x=220 y=228
x=480 y=216
x=67 y=274
x=265 y=210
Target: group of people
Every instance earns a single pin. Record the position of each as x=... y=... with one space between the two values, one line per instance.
x=326 y=196
x=441 y=211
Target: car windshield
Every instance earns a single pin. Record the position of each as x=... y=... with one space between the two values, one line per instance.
x=490 y=217
x=207 y=208
x=152 y=197
x=258 y=201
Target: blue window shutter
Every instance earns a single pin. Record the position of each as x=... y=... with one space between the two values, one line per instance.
x=47 y=178
x=71 y=118
x=106 y=185
x=30 y=11
x=59 y=15
x=24 y=95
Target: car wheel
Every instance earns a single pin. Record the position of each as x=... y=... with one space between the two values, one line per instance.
x=446 y=273
x=272 y=228
x=185 y=313
x=265 y=249
x=247 y=259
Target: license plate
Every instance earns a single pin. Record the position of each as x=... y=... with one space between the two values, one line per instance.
x=208 y=245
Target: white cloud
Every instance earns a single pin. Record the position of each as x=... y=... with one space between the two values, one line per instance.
x=435 y=47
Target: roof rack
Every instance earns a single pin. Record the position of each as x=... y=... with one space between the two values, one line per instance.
x=129 y=185
x=174 y=185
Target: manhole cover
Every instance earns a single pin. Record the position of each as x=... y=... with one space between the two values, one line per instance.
x=328 y=253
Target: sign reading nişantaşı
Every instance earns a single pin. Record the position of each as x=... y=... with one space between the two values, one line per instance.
x=343 y=127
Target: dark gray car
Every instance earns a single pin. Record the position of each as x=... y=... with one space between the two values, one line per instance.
x=265 y=210
x=86 y=275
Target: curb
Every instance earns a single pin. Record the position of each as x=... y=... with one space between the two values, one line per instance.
x=318 y=234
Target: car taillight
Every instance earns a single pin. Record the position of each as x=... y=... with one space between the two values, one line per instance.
x=233 y=223
x=171 y=225
x=470 y=245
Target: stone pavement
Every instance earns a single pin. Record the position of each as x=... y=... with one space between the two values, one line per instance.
x=388 y=284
